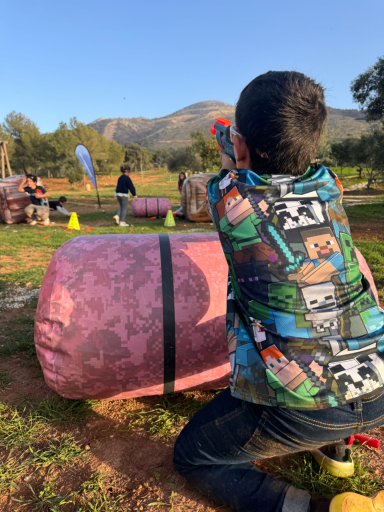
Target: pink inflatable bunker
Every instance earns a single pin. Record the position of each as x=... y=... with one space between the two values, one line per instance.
x=123 y=316
x=151 y=207
x=13 y=202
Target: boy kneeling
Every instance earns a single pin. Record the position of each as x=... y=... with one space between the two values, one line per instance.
x=305 y=335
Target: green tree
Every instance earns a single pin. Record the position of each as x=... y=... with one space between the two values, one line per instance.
x=161 y=157
x=137 y=156
x=370 y=152
x=339 y=153
x=106 y=155
x=368 y=91
x=10 y=145
x=28 y=143
x=63 y=161
x=324 y=151
x=206 y=148
x=185 y=160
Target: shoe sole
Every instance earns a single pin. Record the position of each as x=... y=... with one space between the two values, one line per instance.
x=334 y=467
x=351 y=502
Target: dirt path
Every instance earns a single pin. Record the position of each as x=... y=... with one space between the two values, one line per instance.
x=367 y=230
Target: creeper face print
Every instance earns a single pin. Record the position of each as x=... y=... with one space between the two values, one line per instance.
x=348 y=249
x=350 y=258
x=320 y=243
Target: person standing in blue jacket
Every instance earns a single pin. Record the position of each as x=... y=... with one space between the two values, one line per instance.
x=124 y=184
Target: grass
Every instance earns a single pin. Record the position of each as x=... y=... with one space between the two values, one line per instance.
x=10 y=472
x=18 y=427
x=304 y=473
x=58 y=452
x=374 y=254
x=25 y=447
x=5 y=379
x=91 y=497
x=166 y=419
x=94 y=497
x=57 y=410
x=18 y=335
x=365 y=212
x=45 y=499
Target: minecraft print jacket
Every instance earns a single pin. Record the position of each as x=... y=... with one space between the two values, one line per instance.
x=303 y=328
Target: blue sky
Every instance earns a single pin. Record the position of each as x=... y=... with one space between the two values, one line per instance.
x=82 y=58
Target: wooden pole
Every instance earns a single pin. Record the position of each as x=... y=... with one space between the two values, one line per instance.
x=3 y=145
x=2 y=162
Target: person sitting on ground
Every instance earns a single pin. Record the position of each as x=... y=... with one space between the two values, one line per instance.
x=38 y=209
x=124 y=184
x=59 y=206
x=304 y=332
x=182 y=178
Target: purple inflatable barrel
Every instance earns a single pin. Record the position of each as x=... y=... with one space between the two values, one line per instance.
x=122 y=316
x=151 y=207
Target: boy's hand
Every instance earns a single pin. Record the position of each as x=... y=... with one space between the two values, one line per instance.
x=227 y=162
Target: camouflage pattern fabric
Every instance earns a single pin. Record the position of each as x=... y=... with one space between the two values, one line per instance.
x=151 y=207
x=304 y=329
x=100 y=324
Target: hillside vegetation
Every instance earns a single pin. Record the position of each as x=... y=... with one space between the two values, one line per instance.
x=173 y=131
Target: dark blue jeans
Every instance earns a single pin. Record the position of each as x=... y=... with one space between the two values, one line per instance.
x=213 y=452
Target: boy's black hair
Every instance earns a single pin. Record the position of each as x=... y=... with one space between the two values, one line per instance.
x=32 y=177
x=282 y=116
x=62 y=199
x=125 y=168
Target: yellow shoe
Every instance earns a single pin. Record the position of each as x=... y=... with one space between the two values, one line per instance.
x=352 y=502
x=337 y=460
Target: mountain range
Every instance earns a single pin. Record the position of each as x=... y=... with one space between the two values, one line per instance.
x=173 y=131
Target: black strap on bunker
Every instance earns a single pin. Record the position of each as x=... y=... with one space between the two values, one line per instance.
x=169 y=327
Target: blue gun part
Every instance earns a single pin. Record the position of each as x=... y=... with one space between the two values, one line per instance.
x=223 y=140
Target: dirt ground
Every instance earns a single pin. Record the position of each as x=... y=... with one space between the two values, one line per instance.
x=367 y=230
x=135 y=464
x=365 y=192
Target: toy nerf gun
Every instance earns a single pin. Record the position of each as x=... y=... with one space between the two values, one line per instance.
x=221 y=129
